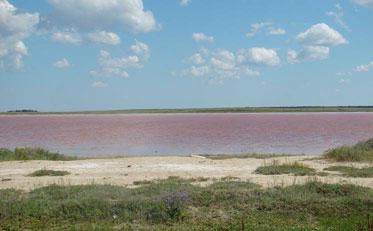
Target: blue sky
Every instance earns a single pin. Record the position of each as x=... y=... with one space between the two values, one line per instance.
x=65 y=55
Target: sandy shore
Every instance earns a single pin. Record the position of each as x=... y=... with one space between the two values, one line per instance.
x=125 y=171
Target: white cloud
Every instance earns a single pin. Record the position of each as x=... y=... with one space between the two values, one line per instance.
x=367 y=3
x=141 y=49
x=63 y=63
x=221 y=64
x=184 y=2
x=321 y=35
x=197 y=59
x=92 y=15
x=316 y=43
x=99 y=84
x=223 y=60
x=104 y=37
x=66 y=37
x=259 y=56
x=364 y=67
x=276 y=31
x=14 y=28
x=257 y=27
x=110 y=66
x=201 y=37
x=309 y=53
x=338 y=16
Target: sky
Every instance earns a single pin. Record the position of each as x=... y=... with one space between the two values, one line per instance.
x=72 y=55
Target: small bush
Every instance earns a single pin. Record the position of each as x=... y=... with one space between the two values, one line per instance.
x=351 y=171
x=31 y=154
x=45 y=172
x=142 y=182
x=362 y=151
x=278 y=169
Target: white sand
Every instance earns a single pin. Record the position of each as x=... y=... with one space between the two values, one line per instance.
x=124 y=171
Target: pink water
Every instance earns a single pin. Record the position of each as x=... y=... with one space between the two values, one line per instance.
x=181 y=134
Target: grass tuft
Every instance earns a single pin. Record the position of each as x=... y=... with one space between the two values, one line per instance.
x=362 y=151
x=352 y=172
x=295 y=168
x=45 y=172
x=243 y=156
x=31 y=154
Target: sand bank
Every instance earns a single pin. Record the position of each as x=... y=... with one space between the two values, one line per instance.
x=126 y=171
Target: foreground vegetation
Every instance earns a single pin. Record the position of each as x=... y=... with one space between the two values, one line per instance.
x=176 y=204
x=352 y=172
x=362 y=151
x=31 y=154
x=295 y=168
x=218 y=110
x=45 y=172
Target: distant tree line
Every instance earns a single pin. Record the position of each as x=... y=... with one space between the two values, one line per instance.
x=23 y=111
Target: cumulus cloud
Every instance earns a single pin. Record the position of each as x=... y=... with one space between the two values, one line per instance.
x=104 y=37
x=63 y=63
x=366 y=3
x=93 y=15
x=259 y=56
x=141 y=49
x=221 y=64
x=184 y=2
x=118 y=66
x=321 y=35
x=309 y=53
x=267 y=26
x=14 y=28
x=70 y=37
x=197 y=59
x=201 y=37
x=316 y=42
x=99 y=84
x=338 y=14
x=364 y=67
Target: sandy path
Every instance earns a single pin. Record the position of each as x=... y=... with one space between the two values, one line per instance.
x=124 y=171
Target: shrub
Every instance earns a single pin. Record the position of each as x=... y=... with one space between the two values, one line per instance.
x=278 y=169
x=31 y=154
x=362 y=151
x=45 y=172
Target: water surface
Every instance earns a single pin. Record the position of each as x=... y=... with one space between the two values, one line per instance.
x=181 y=134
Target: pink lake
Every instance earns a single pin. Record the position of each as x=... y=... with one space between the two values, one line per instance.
x=182 y=134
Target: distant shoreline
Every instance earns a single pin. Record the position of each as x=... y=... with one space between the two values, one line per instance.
x=209 y=110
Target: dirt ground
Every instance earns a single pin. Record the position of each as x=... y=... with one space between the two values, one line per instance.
x=125 y=171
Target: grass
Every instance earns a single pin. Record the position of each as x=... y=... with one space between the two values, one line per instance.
x=45 y=172
x=31 y=154
x=142 y=182
x=176 y=204
x=243 y=156
x=295 y=168
x=362 y=151
x=352 y=172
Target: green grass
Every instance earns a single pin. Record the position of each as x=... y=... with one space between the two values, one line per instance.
x=45 y=172
x=352 y=172
x=275 y=168
x=31 y=154
x=243 y=156
x=176 y=204
x=362 y=151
